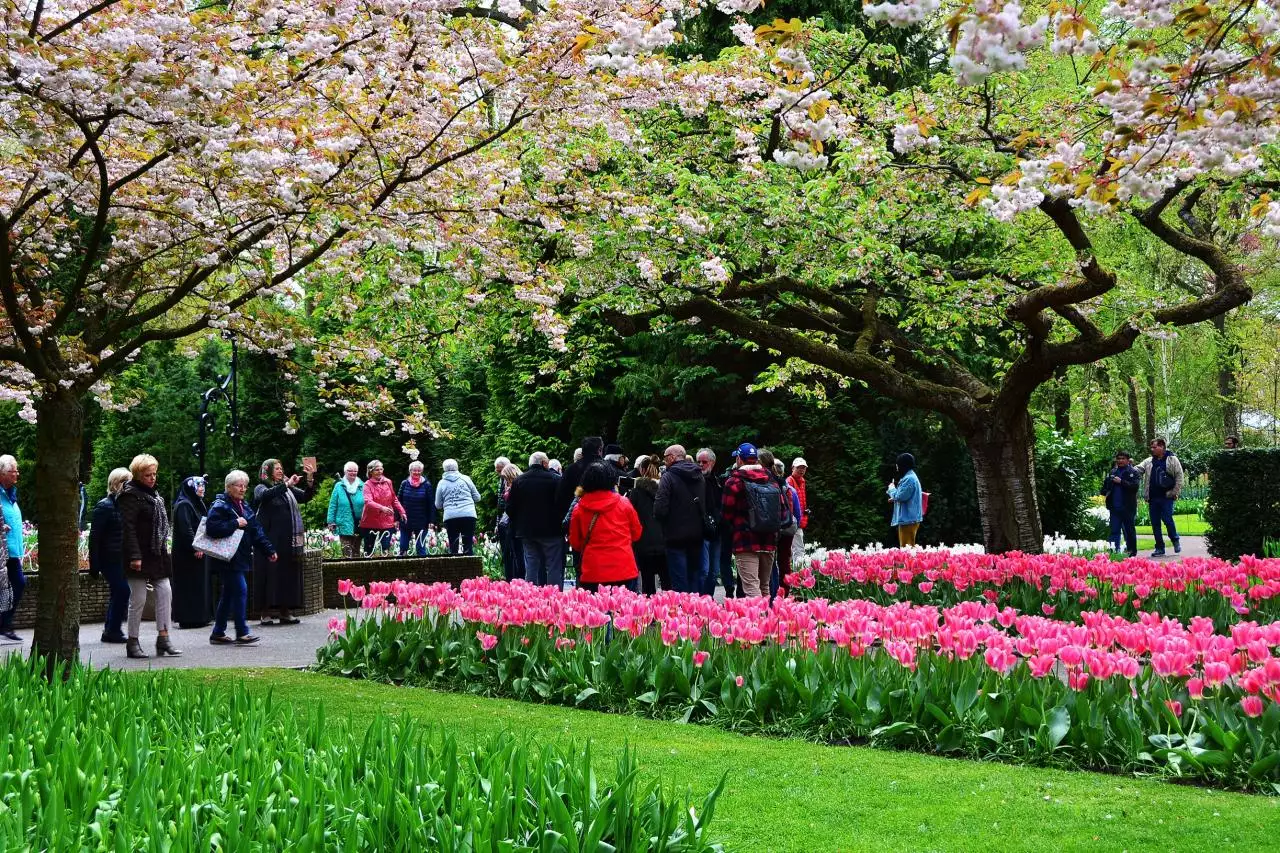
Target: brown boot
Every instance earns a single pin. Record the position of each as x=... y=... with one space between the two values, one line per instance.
x=134 y=649
x=164 y=647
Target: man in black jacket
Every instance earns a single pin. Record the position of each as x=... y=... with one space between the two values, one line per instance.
x=1121 y=488
x=572 y=478
x=680 y=507
x=536 y=522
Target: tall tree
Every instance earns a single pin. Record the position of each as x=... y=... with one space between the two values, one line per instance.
x=170 y=168
x=937 y=242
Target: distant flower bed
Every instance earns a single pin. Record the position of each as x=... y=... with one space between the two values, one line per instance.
x=1063 y=585
x=435 y=544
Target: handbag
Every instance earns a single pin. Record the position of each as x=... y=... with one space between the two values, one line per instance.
x=220 y=549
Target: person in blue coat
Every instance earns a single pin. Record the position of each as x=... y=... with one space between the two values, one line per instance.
x=229 y=513
x=418 y=499
x=908 y=501
x=1121 y=488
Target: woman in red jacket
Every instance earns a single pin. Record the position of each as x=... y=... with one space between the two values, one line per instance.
x=602 y=528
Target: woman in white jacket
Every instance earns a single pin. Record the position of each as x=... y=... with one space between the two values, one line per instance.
x=456 y=498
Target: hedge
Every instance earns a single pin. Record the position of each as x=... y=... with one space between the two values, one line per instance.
x=1243 y=506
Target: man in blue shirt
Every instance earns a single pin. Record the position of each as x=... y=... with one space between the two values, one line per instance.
x=1121 y=488
x=13 y=539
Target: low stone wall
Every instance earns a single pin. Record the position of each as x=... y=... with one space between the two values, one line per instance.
x=94 y=595
x=453 y=570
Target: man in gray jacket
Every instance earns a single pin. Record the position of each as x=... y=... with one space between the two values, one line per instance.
x=1163 y=481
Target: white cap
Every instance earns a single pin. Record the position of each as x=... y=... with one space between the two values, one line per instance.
x=799 y=462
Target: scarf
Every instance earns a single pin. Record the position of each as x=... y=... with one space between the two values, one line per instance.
x=160 y=528
x=352 y=486
x=299 y=534
x=415 y=480
x=187 y=494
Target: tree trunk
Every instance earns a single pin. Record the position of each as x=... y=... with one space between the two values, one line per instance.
x=1151 y=404
x=1228 y=380
x=1062 y=402
x=1135 y=416
x=59 y=432
x=1003 y=463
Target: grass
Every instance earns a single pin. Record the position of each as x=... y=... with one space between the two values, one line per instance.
x=1190 y=525
x=786 y=795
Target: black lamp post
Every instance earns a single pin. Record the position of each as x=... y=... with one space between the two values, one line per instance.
x=224 y=390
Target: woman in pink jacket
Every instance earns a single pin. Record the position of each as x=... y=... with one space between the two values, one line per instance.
x=382 y=510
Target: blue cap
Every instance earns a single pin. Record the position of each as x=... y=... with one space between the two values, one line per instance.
x=746 y=450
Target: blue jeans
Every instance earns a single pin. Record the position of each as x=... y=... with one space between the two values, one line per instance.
x=713 y=567
x=232 y=603
x=688 y=567
x=118 y=603
x=18 y=581
x=1162 y=511
x=417 y=537
x=544 y=561
x=1122 y=523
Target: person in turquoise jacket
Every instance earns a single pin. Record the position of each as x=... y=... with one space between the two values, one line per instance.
x=13 y=541
x=908 y=501
x=346 y=505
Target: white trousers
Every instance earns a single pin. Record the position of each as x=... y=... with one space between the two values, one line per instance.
x=138 y=600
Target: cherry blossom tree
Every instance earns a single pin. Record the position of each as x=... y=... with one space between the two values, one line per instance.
x=169 y=170
x=950 y=242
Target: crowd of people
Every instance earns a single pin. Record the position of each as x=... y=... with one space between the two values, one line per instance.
x=671 y=522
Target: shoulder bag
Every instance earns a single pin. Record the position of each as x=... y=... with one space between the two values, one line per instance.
x=220 y=549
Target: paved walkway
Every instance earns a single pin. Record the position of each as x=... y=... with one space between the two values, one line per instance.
x=290 y=646
x=1192 y=546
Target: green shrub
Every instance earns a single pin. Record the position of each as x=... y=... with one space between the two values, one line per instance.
x=1243 y=506
x=108 y=761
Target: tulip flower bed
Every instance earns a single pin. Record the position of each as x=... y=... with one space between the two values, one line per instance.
x=108 y=761
x=1061 y=585
x=1150 y=696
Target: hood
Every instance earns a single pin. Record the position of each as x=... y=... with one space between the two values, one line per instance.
x=451 y=476
x=599 y=501
x=687 y=471
x=754 y=473
x=644 y=484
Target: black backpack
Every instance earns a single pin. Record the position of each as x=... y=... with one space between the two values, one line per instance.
x=764 y=506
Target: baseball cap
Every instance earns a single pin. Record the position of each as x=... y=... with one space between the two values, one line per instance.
x=746 y=450
x=799 y=462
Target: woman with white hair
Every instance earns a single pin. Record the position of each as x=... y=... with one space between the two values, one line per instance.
x=106 y=559
x=229 y=513
x=382 y=510
x=457 y=497
x=145 y=546
x=346 y=505
x=418 y=499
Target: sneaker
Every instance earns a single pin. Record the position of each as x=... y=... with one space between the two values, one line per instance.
x=1177 y=546
x=1157 y=553
x=220 y=640
x=247 y=640
x=11 y=637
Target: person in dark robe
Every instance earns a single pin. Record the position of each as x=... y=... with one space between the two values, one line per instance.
x=278 y=586
x=192 y=595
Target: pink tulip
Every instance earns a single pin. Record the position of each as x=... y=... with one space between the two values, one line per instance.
x=700 y=657
x=1174 y=706
x=1252 y=706
x=487 y=641
x=344 y=587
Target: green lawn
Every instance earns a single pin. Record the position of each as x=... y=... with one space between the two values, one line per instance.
x=794 y=796
x=1191 y=525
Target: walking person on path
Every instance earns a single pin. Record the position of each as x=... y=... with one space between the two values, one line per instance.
x=144 y=527
x=1121 y=490
x=754 y=509
x=228 y=514
x=1164 y=480
x=12 y=529
x=191 y=588
x=278 y=584
x=106 y=559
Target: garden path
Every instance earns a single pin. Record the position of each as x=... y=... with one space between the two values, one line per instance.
x=292 y=646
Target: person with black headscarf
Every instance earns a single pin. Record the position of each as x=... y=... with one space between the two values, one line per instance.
x=908 y=501
x=191 y=592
